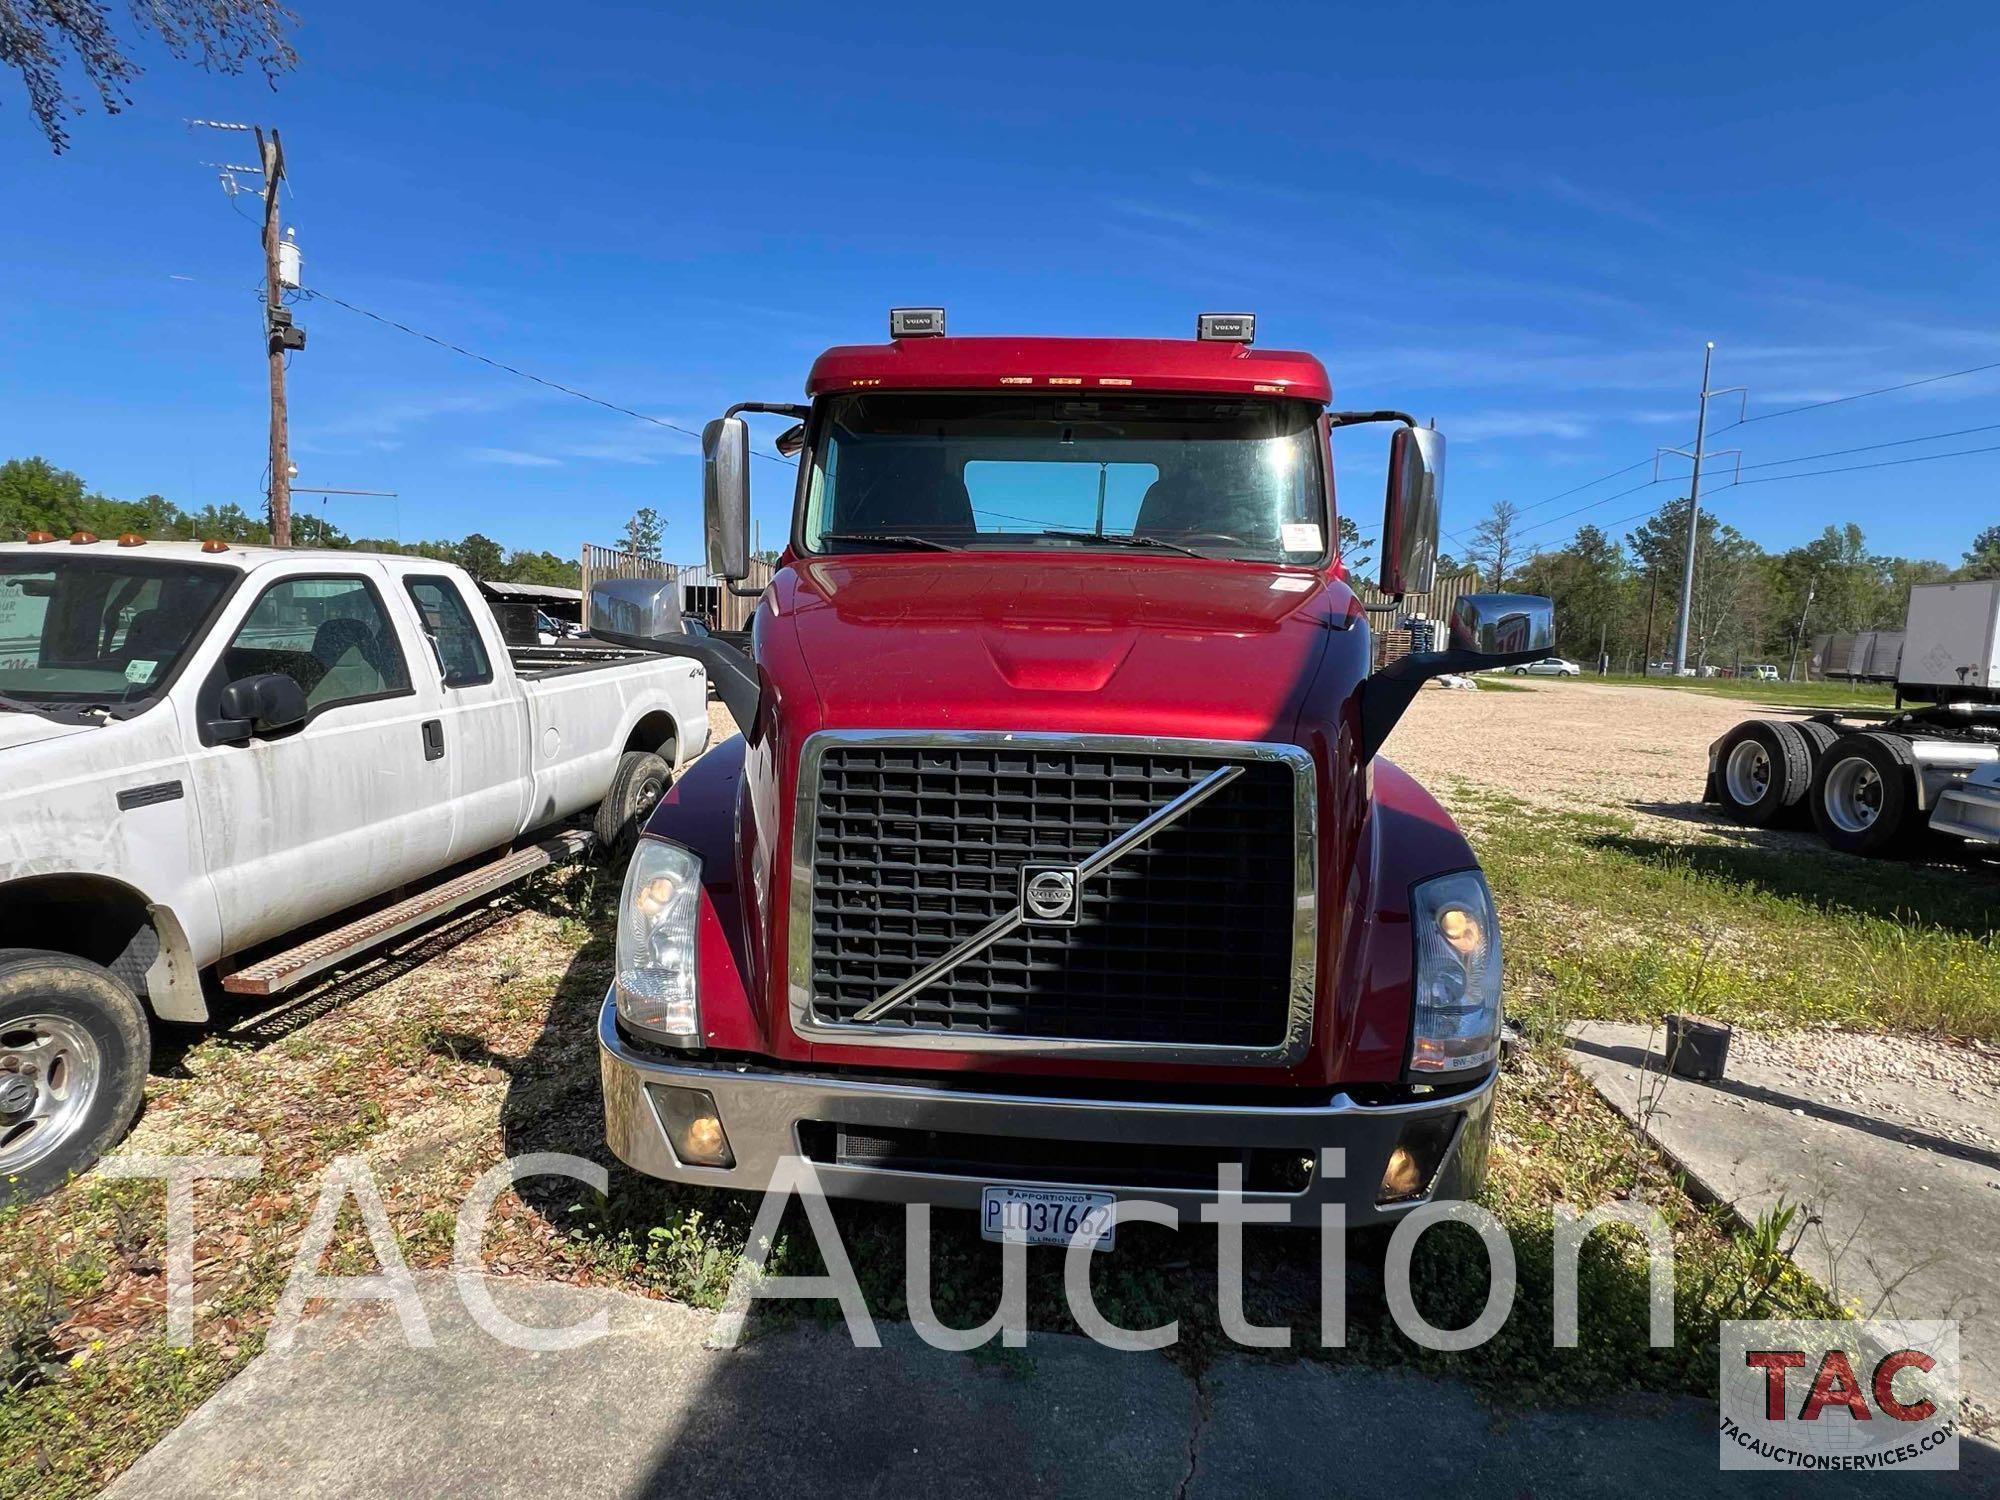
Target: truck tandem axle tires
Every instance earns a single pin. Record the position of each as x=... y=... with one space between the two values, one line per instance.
x=1763 y=769
x=1864 y=794
x=74 y=1048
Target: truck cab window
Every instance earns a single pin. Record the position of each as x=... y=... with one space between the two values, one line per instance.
x=331 y=636
x=1220 y=478
x=99 y=630
x=452 y=632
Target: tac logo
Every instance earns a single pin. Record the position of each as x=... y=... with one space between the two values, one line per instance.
x=1832 y=1395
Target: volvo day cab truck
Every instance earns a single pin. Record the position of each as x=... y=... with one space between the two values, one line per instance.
x=1058 y=862
x=237 y=767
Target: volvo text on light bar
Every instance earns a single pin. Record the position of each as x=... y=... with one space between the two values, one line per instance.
x=1226 y=328
x=916 y=322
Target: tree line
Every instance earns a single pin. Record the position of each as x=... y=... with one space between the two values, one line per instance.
x=1748 y=606
x=35 y=495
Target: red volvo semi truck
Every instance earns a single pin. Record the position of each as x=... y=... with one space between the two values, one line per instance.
x=1058 y=862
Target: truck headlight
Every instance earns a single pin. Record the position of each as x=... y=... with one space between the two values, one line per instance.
x=1456 y=1018
x=657 y=989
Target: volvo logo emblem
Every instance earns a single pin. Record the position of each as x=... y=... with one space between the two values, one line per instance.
x=1049 y=894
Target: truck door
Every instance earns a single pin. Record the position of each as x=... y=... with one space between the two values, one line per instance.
x=483 y=716
x=350 y=804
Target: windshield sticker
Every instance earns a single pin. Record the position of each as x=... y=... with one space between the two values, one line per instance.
x=1301 y=536
x=140 y=672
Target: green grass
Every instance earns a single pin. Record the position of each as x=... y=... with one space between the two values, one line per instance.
x=1605 y=921
x=1783 y=694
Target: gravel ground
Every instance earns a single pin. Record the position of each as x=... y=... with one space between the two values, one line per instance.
x=1571 y=745
x=1948 y=1090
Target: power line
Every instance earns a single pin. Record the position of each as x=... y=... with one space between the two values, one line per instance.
x=1863 y=395
x=1934 y=437
x=1887 y=463
x=554 y=385
x=1578 y=489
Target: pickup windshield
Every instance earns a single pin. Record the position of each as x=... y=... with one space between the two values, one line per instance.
x=1213 y=477
x=86 y=631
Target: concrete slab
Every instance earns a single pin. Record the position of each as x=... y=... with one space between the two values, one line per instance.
x=1909 y=1212
x=648 y=1410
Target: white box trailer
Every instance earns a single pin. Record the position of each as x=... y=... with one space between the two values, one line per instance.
x=1931 y=768
x=1952 y=639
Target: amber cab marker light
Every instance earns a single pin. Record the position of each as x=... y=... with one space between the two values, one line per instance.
x=215 y=544
x=81 y=538
x=39 y=538
x=131 y=539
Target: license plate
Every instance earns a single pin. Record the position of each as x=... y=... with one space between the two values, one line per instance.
x=1045 y=1216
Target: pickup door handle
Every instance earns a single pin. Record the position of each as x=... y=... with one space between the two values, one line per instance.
x=434 y=739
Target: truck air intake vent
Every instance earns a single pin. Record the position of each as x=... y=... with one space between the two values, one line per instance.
x=1197 y=937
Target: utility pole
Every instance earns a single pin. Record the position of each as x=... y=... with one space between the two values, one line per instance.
x=271 y=152
x=281 y=336
x=1652 y=597
x=1798 y=639
x=1694 y=495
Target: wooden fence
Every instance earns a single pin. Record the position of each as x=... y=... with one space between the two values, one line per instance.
x=1393 y=638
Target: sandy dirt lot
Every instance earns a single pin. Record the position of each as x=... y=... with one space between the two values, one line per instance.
x=1571 y=744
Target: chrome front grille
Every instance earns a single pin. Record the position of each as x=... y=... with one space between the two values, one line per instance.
x=1192 y=933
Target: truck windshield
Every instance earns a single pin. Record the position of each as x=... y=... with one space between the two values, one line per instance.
x=80 y=631
x=1219 y=478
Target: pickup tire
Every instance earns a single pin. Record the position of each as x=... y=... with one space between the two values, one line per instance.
x=1864 y=794
x=641 y=779
x=74 y=1049
x=1763 y=770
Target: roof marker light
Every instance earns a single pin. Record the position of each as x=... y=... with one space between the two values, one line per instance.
x=81 y=538
x=916 y=322
x=215 y=544
x=38 y=538
x=131 y=539
x=1226 y=328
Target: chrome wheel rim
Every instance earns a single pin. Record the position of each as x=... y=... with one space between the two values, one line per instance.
x=50 y=1071
x=1853 y=795
x=1747 y=773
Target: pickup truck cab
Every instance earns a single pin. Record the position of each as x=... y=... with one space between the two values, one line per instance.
x=206 y=748
x=1057 y=864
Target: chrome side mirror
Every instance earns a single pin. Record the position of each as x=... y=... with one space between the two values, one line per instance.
x=725 y=496
x=1503 y=625
x=1410 y=511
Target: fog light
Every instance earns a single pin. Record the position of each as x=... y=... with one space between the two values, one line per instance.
x=694 y=1126
x=1403 y=1178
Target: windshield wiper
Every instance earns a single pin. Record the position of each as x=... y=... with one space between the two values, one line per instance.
x=61 y=714
x=890 y=539
x=1122 y=541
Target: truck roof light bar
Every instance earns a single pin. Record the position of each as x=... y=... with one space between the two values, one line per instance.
x=916 y=322
x=1226 y=328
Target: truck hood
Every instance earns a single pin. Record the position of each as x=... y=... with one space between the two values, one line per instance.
x=32 y=729
x=1079 y=643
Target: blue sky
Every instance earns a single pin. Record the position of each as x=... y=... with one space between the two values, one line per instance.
x=1522 y=220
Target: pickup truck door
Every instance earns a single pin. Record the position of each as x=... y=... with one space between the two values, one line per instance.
x=483 y=719
x=302 y=823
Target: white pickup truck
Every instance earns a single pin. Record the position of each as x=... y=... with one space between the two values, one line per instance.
x=242 y=766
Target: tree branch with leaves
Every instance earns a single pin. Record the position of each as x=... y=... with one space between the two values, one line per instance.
x=44 y=40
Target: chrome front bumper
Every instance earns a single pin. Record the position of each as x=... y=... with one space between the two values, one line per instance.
x=761 y=1110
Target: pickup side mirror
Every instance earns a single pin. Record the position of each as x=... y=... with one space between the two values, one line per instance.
x=1487 y=630
x=725 y=496
x=1410 y=512
x=263 y=704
